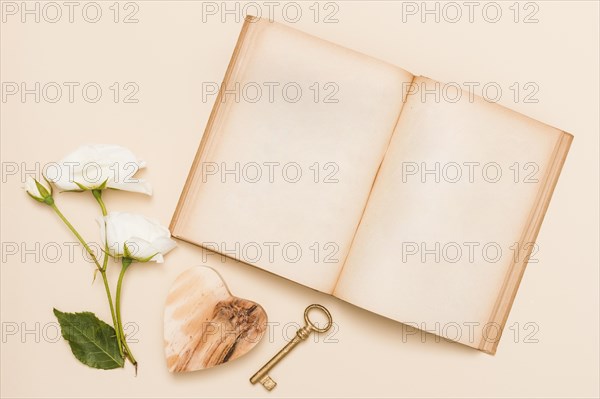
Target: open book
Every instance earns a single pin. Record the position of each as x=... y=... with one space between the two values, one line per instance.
x=396 y=193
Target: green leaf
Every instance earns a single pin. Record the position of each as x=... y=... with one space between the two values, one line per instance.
x=103 y=185
x=127 y=252
x=148 y=258
x=72 y=191
x=92 y=341
x=41 y=189
x=81 y=186
x=49 y=185
x=34 y=197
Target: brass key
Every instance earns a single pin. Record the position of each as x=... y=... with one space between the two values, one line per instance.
x=303 y=333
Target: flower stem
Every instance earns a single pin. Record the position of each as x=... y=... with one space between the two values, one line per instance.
x=125 y=262
x=98 y=195
x=76 y=233
x=102 y=270
x=112 y=311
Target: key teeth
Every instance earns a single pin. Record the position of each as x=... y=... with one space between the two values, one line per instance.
x=268 y=383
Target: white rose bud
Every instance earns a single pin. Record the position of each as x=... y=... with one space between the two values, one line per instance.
x=39 y=191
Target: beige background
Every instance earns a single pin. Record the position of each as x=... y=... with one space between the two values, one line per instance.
x=168 y=54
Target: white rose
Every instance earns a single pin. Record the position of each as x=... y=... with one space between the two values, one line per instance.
x=135 y=236
x=90 y=166
x=37 y=190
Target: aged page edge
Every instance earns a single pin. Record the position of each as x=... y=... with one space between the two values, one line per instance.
x=515 y=272
x=179 y=214
x=404 y=99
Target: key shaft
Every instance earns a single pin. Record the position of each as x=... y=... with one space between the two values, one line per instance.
x=260 y=375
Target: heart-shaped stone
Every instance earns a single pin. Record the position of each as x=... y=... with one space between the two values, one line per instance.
x=205 y=325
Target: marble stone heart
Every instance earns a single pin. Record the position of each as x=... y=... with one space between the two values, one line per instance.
x=204 y=325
